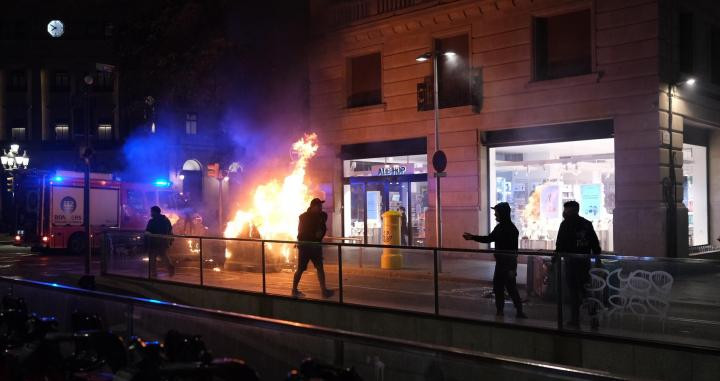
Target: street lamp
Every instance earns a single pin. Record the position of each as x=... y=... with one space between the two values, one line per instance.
x=11 y=162
x=670 y=182
x=439 y=172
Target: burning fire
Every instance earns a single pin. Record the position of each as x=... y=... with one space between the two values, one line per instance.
x=276 y=205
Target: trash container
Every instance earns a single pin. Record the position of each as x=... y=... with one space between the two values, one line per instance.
x=392 y=235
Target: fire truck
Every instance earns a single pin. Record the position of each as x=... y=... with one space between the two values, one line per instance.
x=49 y=207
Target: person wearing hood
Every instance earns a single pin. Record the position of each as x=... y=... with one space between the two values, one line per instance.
x=577 y=236
x=505 y=235
x=311 y=228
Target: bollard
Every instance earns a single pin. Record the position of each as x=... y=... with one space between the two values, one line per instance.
x=391 y=258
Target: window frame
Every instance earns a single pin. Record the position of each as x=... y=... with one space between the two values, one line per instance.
x=55 y=86
x=67 y=134
x=12 y=84
x=348 y=92
x=24 y=133
x=105 y=136
x=191 y=119
x=558 y=11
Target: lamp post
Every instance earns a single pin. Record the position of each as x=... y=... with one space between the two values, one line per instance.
x=86 y=154
x=670 y=182
x=11 y=162
x=438 y=155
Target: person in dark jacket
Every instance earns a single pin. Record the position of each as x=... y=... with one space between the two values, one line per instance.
x=576 y=236
x=157 y=246
x=403 y=226
x=505 y=235
x=311 y=228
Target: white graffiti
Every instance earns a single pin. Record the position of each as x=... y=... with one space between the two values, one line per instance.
x=641 y=294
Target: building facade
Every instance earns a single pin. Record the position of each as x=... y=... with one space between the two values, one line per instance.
x=540 y=102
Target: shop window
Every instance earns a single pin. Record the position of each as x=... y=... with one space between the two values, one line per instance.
x=695 y=197
x=685 y=43
x=61 y=81
x=18 y=134
x=62 y=131
x=562 y=45
x=536 y=180
x=364 y=87
x=191 y=120
x=453 y=71
x=105 y=131
x=17 y=81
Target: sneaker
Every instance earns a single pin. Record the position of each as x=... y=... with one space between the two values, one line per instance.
x=328 y=294
x=521 y=315
x=298 y=294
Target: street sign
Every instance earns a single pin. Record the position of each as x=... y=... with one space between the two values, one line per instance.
x=439 y=161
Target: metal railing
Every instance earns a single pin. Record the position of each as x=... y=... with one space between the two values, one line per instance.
x=650 y=299
x=284 y=344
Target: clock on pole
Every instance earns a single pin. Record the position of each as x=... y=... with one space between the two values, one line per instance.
x=56 y=28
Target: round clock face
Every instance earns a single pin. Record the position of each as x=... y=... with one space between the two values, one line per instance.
x=55 y=28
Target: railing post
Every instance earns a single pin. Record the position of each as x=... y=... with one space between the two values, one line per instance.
x=435 y=281
x=340 y=274
x=202 y=275
x=262 y=256
x=558 y=288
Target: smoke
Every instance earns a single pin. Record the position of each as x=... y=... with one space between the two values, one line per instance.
x=151 y=156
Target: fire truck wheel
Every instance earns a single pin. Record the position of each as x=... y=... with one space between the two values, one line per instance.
x=76 y=244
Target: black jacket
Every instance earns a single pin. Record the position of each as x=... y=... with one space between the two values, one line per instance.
x=577 y=236
x=311 y=227
x=159 y=225
x=505 y=235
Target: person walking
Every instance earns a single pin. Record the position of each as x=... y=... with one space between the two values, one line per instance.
x=505 y=235
x=157 y=246
x=311 y=228
x=577 y=236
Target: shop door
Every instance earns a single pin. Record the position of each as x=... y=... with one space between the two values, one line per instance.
x=365 y=202
x=376 y=203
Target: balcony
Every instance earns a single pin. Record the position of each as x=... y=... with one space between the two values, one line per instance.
x=348 y=12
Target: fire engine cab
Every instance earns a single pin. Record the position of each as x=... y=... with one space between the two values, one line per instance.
x=50 y=207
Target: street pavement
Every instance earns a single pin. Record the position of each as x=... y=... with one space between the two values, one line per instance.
x=464 y=291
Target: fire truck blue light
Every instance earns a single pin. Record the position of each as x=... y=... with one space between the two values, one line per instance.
x=57 y=179
x=162 y=183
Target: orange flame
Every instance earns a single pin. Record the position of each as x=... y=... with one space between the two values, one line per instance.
x=276 y=204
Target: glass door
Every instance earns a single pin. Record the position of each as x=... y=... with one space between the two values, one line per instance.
x=418 y=207
x=354 y=211
x=376 y=203
x=398 y=197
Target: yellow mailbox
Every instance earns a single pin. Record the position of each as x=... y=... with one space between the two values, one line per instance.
x=392 y=233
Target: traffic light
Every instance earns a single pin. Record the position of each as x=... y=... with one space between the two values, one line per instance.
x=213 y=170
x=10 y=184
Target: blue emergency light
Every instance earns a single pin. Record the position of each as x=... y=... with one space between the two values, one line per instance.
x=57 y=179
x=162 y=183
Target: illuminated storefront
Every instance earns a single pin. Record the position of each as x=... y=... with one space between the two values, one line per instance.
x=537 y=178
x=380 y=177
x=695 y=184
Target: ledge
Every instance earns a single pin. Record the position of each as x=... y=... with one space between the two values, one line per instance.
x=362 y=109
x=565 y=81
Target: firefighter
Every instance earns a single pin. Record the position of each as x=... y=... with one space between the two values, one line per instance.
x=311 y=228
x=505 y=235
x=158 y=246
